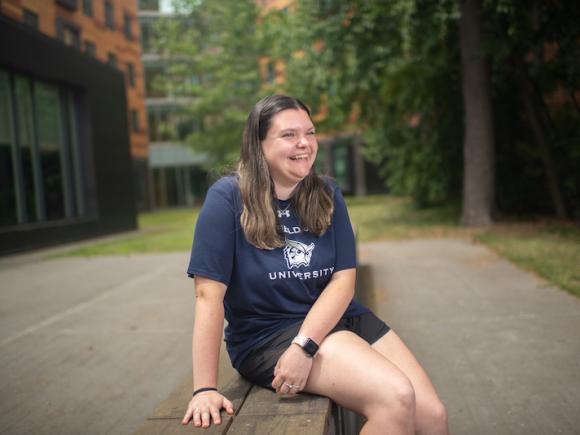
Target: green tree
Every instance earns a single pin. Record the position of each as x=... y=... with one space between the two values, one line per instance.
x=212 y=50
x=395 y=67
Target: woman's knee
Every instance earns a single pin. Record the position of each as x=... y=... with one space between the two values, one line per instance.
x=437 y=412
x=396 y=396
x=431 y=414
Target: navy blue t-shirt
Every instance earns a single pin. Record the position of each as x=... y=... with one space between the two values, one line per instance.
x=267 y=290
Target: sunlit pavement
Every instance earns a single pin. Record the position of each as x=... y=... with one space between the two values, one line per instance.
x=91 y=346
x=501 y=345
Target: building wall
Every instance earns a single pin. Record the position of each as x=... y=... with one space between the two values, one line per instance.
x=92 y=28
x=99 y=125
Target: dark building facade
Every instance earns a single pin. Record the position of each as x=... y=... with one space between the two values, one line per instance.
x=66 y=171
x=108 y=31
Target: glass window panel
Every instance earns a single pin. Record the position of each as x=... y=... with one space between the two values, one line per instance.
x=127 y=27
x=50 y=148
x=24 y=117
x=8 y=215
x=88 y=7
x=131 y=74
x=109 y=20
x=76 y=179
x=149 y=5
x=30 y=18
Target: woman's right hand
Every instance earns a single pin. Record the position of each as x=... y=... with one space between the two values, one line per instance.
x=206 y=406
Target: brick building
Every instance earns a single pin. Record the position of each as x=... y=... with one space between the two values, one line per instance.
x=73 y=137
x=107 y=30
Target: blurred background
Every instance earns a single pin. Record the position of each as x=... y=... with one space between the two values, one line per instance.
x=384 y=81
x=464 y=111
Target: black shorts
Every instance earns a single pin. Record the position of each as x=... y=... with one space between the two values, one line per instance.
x=258 y=366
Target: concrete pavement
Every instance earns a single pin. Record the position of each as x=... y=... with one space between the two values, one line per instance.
x=92 y=346
x=501 y=345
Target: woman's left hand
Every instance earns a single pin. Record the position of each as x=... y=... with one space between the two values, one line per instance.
x=292 y=370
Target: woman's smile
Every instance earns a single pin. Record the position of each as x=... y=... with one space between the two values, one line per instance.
x=290 y=147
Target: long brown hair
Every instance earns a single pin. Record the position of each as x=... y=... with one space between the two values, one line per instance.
x=312 y=198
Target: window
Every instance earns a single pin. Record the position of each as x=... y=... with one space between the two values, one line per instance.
x=135 y=121
x=90 y=49
x=68 y=33
x=109 y=19
x=71 y=5
x=112 y=60
x=148 y=5
x=88 y=7
x=146 y=33
x=40 y=166
x=30 y=18
x=9 y=200
x=127 y=27
x=131 y=74
x=153 y=78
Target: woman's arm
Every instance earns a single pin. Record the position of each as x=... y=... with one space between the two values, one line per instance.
x=294 y=365
x=207 y=333
x=330 y=306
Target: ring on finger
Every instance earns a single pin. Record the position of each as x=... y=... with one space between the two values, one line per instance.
x=290 y=385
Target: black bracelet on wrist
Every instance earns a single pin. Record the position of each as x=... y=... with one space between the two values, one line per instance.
x=201 y=390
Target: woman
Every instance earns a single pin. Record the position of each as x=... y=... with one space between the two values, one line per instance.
x=277 y=237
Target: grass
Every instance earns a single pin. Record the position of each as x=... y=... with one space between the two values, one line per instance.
x=164 y=231
x=550 y=249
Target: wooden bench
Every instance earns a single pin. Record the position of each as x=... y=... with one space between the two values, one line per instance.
x=257 y=411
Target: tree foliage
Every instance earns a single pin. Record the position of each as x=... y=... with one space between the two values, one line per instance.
x=395 y=66
x=212 y=50
x=389 y=69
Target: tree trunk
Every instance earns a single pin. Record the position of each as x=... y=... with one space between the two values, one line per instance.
x=478 y=147
x=360 y=185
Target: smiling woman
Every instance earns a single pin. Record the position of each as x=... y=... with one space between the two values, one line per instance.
x=274 y=253
x=290 y=149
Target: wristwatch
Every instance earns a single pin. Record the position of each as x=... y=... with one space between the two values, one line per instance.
x=308 y=345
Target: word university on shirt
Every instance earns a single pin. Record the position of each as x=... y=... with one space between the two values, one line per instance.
x=299 y=254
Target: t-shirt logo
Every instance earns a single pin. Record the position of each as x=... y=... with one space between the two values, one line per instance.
x=297 y=254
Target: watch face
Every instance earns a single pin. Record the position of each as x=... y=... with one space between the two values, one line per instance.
x=310 y=347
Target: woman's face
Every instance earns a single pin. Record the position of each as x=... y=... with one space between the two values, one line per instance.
x=290 y=147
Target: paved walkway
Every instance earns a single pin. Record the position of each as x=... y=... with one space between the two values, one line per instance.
x=92 y=346
x=501 y=346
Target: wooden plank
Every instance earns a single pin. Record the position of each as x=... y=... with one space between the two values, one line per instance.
x=262 y=401
x=265 y=412
x=310 y=424
x=163 y=422
x=166 y=418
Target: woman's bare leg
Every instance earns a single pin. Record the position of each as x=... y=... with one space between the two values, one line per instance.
x=431 y=416
x=356 y=376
